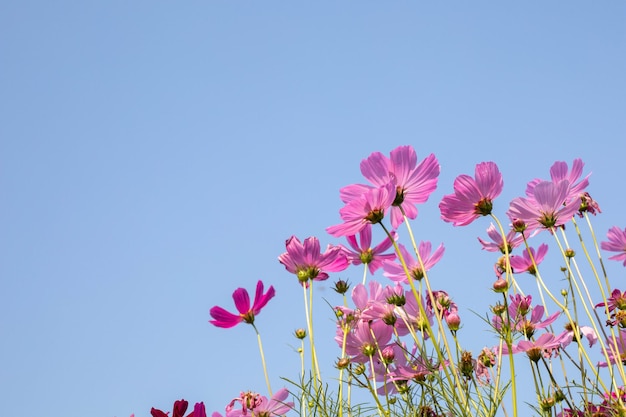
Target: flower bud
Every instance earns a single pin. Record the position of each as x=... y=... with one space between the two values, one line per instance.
x=500 y=285
x=519 y=225
x=570 y=253
x=300 y=333
x=454 y=321
x=498 y=309
x=341 y=287
x=343 y=363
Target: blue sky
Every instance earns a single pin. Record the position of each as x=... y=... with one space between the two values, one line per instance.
x=155 y=155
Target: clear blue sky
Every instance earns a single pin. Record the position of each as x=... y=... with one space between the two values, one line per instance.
x=155 y=155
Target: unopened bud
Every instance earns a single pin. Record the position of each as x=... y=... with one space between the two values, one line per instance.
x=300 y=333
x=570 y=253
x=500 y=285
x=454 y=321
x=341 y=286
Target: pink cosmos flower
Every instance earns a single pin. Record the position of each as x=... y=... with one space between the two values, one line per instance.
x=395 y=271
x=225 y=319
x=558 y=172
x=473 y=197
x=550 y=206
x=543 y=346
x=616 y=243
x=413 y=182
x=369 y=208
x=619 y=354
x=251 y=404
x=497 y=242
x=363 y=253
x=524 y=262
x=307 y=261
x=365 y=340
x=584 y=331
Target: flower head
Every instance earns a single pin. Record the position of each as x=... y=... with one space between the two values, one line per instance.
x=251 y=404
x=225 y=319
x=412 y=182
x=473 y=197
x=559 y=171
x=616 y=243
x=363 y=253
x=527 y=262
x=549 y=206
x=307 y=261
x=368 y=208
x=395 y=272
x=497 y=243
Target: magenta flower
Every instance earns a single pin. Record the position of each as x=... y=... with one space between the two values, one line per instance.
x=251 y=404
x=497 y=242
x=473 y=197
x=225 y=319
x=395 y=271
x=550 y=206
x=369 y=208
x=180 y=406
x=616 y=243
x=363 y=253
x=413 y=183
x=524 y=262
x=307 y=261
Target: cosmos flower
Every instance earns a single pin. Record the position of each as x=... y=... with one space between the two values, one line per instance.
x=308 y=263
x=559 y=171
x=395 y=272
x=524 y=262
x=616 y=347
x=473 y=197
x=413 y=183
x=550 y=206
x=225 y=319
x=365 y=340
x=616 y=243
x=251 y=404
x=180 y=406
x=369 y=208
x=497 y=242
x=363 y=253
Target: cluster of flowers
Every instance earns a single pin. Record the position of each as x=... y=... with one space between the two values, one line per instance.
x=394 y=339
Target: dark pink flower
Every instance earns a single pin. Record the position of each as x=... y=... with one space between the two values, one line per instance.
x=413 y=183
x=225 y=319
x=363 y=253
x=180 y=406
x=395 y=271
x=524 y=262
x=550 y=206
x=369 y=208
x=473 y=197
x=307 y=261
x=616 y=243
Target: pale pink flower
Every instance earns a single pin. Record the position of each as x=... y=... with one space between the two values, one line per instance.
x=247 y=313
x=413 y=182
x=365 y=340
x=616 y=243
x=395 y=271
x=369 y=208
x=550 y=206
x=308 y=263
x=524 y=262
x=363 y=253
x=543 y=346
x=559 y=171
x=473 y=197
x=497 y=243
x=616 y=347
x=251 y=404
